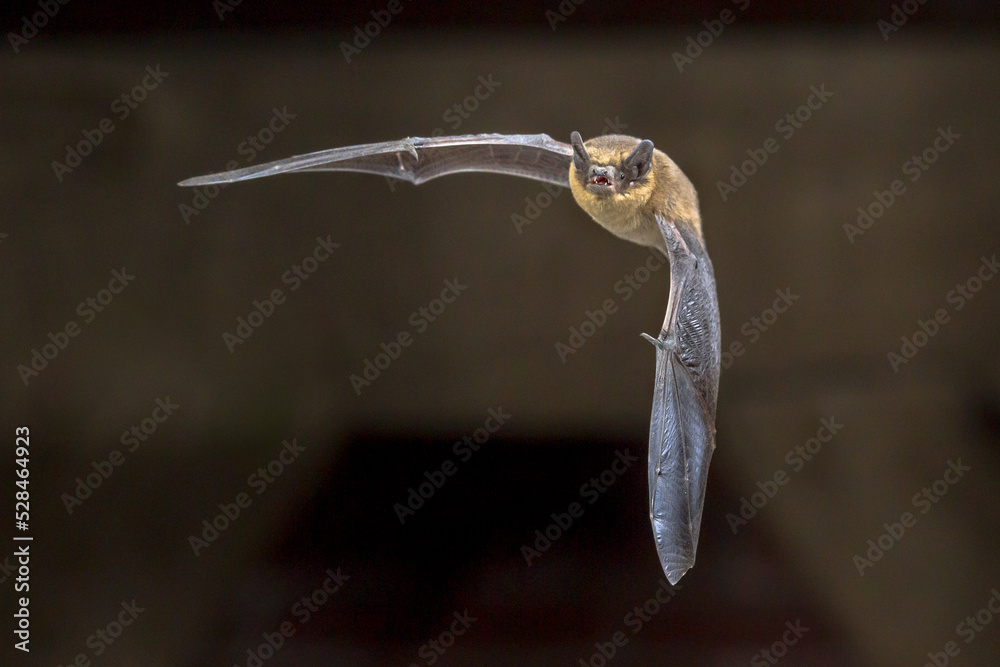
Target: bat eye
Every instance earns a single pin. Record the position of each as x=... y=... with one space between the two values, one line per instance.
x=633 y=173
x=621 y=176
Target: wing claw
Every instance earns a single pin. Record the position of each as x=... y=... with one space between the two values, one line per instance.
x=410 y=145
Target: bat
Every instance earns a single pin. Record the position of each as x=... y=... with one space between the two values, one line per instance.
x=639 y=194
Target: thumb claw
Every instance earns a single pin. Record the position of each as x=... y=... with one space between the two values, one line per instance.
x=660 y=343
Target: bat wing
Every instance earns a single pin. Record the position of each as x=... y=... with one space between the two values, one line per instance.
x=419 y=159
x=682 y=426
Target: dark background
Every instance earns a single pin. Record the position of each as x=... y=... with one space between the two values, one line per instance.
x=607 y=66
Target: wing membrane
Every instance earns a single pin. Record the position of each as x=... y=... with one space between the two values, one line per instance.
x=682 y=425
x=419 y=159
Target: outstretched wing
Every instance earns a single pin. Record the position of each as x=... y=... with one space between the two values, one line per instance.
x=682 y=426
x=419 y=159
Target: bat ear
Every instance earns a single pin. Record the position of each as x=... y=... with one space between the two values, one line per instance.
x=580 y=156
x=637 y=164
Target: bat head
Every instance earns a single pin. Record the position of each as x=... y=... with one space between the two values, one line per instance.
x=613 y=179
x=613 y=165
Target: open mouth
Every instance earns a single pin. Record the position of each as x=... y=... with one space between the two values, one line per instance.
x=600 y=180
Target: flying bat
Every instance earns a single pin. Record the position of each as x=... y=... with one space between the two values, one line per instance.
x=639 y=194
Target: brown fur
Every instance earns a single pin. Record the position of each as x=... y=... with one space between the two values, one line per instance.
x=631 y=215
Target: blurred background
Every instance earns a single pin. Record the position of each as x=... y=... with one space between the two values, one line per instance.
x=234 y=461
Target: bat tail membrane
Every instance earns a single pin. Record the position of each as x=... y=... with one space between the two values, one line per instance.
x=681 y=443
